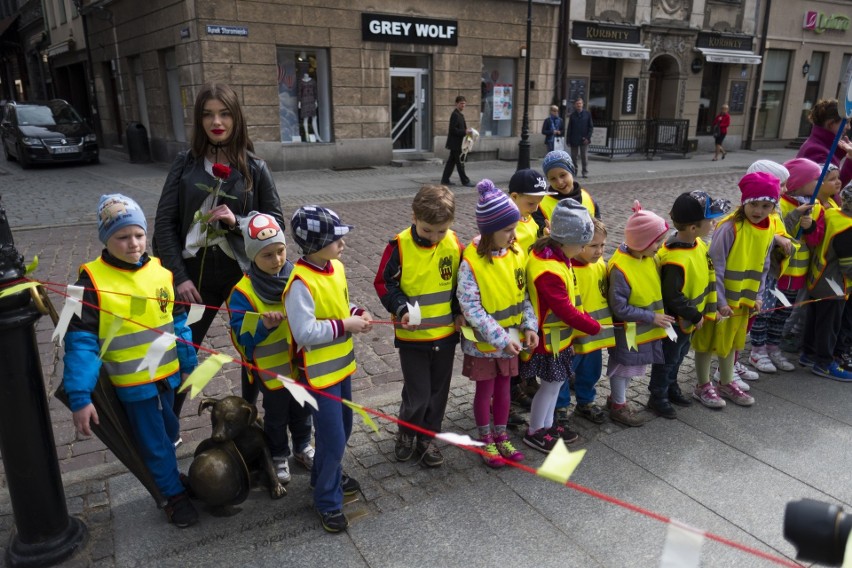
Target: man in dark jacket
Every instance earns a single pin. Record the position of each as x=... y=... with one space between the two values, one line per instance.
x=455 y=136
x=580 y=134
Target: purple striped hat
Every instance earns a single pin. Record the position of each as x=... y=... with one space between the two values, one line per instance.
x=495 y=210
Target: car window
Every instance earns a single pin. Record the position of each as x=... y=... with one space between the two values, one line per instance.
x=30 y=115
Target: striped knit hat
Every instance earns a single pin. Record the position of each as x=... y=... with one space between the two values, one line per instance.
x=495 y=210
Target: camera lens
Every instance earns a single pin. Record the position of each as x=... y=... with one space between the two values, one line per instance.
x=818 y=530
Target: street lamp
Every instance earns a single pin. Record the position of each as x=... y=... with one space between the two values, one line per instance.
x=524 y=144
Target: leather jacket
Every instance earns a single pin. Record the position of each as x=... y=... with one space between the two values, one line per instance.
x=181 y=198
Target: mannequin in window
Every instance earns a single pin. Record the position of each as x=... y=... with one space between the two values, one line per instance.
x=308 y=105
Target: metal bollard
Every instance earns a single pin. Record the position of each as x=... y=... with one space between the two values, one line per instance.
x=44 y=533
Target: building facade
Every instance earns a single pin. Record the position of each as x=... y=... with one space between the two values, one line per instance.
x=327 y=84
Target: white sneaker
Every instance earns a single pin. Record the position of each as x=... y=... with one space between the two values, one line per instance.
x=737 y=381
x=282 y=469
x=780 y=361
x=744 y=373
x=760 y=360
x=306 y=457
x=179 y=442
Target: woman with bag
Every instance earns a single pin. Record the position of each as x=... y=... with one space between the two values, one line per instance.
x=209 y=189
x=720 y=130
x=552 y=129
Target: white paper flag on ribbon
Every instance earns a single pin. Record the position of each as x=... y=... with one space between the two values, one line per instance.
x=682 y=548
x=835 y=287
x=670 y=331
x=414 y=317
x=73 y=305
x=196 y=312
x=781 y=297
x=155 y=353
x=299 y=392
x=458 y=439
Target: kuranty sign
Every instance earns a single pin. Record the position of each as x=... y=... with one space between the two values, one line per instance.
x=605 y=33
x=724 y=41
x=403 y=29
x=818 y=22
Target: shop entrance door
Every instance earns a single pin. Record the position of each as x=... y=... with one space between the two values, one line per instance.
x=410 y=110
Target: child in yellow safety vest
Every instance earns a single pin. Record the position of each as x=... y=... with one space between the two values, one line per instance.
x=740 y=255
x=112 y=283
x=689 y=292
x=492 y=294
x=553 y=294
x=419 y=267
x=322 y=321
x=268 y=346
x=636 y=301
x=560 y=171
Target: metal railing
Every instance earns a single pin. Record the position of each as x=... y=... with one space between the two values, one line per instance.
x=626 y=137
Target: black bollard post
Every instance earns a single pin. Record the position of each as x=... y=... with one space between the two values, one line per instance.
x=44 y=533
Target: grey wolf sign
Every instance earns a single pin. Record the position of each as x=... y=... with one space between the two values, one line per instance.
x=404 y=29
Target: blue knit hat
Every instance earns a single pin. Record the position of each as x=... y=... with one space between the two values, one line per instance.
x=116 y=211
x=495 y=210
x=558 y=159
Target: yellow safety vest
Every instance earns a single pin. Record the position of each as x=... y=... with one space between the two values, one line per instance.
x=130 y=345
x=329 y=363
x=273 y=353
x=825 y=262
x=548 y=204
x=502 y=287
x=744 y=265
x=429 y=277
x=645 y=290
x=556 y=334
x=800 y=259
x=699 y=278
x=592 y=288
x=526 y=233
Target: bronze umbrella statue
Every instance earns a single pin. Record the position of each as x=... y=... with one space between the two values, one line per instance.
x=114 y=428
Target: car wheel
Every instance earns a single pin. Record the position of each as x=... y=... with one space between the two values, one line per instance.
x=6 y=154
x=23 y=159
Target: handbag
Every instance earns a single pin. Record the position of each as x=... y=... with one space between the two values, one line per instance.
x=717 y=131
x=558 y=143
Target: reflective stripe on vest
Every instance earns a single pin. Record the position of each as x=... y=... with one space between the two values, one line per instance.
x=800 y=259
x=429 y=277
x=592 y=288
x=556 y=334
x=699 y=278
x=329 y=363
x=826 y=264
x=548 y=204
x=502 y=286
x=130 y=344
x=645 y=290
x=273 y=353
x=744 y=264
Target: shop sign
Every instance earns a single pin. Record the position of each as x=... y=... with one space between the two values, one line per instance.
x=404 y=29
x=724 y=41
x=608 y=33
x=628 y=95
x=240 y=31
x=818 y=22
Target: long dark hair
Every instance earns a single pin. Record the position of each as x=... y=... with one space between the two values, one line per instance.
x=236 y=149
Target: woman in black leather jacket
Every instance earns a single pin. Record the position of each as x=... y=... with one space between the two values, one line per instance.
x=197 y=232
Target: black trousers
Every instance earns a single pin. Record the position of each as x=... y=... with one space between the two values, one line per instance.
x=822 y=329
x=454 y=161
x=426 y=376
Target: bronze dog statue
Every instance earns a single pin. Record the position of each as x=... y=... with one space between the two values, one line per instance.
x=221 y=473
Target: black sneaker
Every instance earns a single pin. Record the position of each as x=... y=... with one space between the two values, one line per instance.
x=334 y=521
x=349 y=485
x=520 y=398
x=404 y=448
x=540 y=440
x=180 y=511
x=662 y=407
x=569 y=436
x=430 y=455
x=561 y=416
x=591 y=412
x=844 y=360
x=678 y=398
x=515 y=420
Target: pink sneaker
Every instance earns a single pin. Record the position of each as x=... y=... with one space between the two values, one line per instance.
x=706 y=394
x=492 y=456
x=733 y=393
x=506 y=449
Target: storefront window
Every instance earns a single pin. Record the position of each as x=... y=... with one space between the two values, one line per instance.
x=303 y=95
x=773 y=92
x=812 y=90
x=842 y=75
x=498 y=97
x=601 y=85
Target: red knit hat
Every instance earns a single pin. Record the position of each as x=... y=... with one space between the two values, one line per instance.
x=643 y=228
x=760 y=186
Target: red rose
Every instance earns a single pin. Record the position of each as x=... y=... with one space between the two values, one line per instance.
x=221 y=171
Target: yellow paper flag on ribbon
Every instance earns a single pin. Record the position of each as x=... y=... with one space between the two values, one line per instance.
x=630 y=335
x=17 y=288
x=138 y=305
x=203 y=373
x=114 y=326
x=368 y=420
x=250 y=323
x=31 y=267
x=560 y=463
x=468 y=333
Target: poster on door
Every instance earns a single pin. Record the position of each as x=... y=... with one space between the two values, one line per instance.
x=502 y=102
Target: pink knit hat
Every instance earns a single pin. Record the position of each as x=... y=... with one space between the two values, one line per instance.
x=760 y=186
x=802 y=172
x=643 y=228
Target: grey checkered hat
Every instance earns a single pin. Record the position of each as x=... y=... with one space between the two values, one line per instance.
x=315 y=227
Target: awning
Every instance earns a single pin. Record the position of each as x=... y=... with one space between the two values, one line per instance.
x=613 y=50
x=729 y=56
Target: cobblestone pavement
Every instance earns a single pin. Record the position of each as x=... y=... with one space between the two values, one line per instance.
x=51 y=212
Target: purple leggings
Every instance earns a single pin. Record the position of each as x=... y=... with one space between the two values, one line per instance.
x=498 y=390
